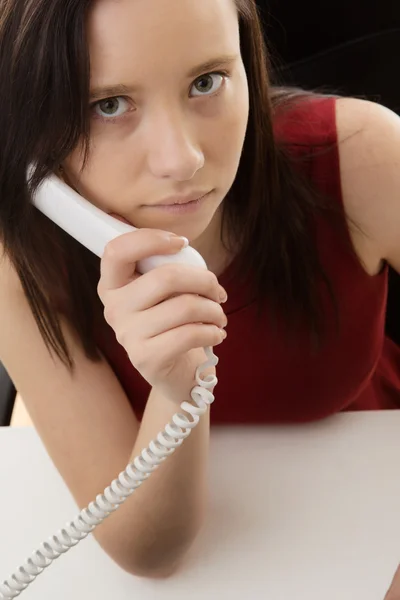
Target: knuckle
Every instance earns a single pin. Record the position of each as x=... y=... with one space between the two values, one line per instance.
x=190 y=336
x=196 y=310
x=216 y=333
x=169 y=274
x=212 y=281
x=190 y=308
x=111 y=251
x=220 y=312
x=120 y=335
x=127 y=336
x=100 y=290
x=203 y=335
x=111 y=311
x=123 y=337
x=140 y=359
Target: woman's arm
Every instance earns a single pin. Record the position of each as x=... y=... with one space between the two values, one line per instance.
x=90 y=432
x=369 y=149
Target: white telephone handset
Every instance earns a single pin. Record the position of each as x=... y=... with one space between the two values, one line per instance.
x=94 y=229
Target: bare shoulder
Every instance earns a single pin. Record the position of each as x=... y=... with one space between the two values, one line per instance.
x=369 y=150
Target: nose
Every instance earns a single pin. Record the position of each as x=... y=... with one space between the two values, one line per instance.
x=173 y=152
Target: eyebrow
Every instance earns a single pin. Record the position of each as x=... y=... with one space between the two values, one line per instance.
x=120 y=89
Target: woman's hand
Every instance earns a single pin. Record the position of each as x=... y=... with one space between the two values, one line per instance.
x=164 y=318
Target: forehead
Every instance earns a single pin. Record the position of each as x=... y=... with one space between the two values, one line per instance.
x=154 y=35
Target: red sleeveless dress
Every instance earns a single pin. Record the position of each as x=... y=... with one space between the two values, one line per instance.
x=263 y=379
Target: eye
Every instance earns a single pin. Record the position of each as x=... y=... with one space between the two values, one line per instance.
x=208 y=84
x=111 y=107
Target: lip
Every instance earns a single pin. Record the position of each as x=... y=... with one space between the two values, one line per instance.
x=186 y=204
x=181 y=208
x=178 y=200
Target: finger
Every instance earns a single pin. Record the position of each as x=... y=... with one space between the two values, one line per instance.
x=175 y=342
x=178 y=311
x=119 y=260
x=170 y=280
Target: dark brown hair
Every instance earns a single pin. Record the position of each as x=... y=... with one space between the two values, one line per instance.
x=44 y=78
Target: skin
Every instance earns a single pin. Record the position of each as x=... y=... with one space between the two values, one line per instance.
x=174 y=133
x=177 y=134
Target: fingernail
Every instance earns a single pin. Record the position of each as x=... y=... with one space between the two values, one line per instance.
x=224 y=334
x=223 y=297
x=180 y=240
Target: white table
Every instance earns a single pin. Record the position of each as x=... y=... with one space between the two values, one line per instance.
x=305 y=512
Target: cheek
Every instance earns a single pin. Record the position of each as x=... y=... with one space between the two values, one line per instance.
x=235 y=117
x=229 y=137
x=101 y=178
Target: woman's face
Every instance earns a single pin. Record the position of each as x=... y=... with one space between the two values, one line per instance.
x=169 y=111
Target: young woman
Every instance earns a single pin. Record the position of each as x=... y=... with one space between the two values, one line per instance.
x=161 y=113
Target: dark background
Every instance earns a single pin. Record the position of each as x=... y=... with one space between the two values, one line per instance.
x=345 y=46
